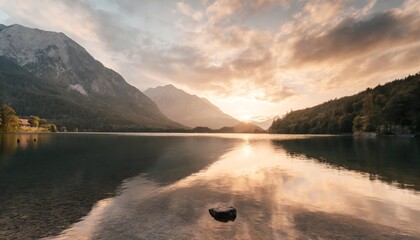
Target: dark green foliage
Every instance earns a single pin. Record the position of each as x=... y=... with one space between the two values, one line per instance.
x=9 y=120
x=51 y=127
x=34 y=121
x=391 y=108
x=42 y=121
x=30 y=95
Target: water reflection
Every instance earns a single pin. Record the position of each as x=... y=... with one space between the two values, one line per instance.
x=49 y=184
x=9 y=143
x=395 y=160
x=277 y=195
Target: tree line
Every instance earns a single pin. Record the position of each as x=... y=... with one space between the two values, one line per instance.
x=10 y=122
x=386 y=109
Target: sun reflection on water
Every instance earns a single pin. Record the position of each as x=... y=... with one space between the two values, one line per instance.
x=269 y=188
x=246 y=150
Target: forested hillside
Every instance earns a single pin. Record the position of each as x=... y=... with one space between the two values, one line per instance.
x=386 y=109
x=48 y=74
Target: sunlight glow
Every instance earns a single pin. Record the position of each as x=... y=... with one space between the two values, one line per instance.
x=246 y=150
x=246 y=118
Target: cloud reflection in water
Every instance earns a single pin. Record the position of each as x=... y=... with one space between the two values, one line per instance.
x=271 y=190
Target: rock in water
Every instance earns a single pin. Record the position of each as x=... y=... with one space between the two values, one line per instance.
x=223 y=213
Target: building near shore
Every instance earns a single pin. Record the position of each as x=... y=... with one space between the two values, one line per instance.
x=24 y=123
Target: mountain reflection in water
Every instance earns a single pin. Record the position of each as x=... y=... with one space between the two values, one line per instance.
x=395 y=160
x=280 y=186
x=49 y=184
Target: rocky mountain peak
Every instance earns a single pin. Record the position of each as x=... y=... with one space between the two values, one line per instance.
x=27 y=45
x=57 y=58
x=72 y=75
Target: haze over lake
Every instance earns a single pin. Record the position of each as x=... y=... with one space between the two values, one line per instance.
x=160 y=186
x=210 y=119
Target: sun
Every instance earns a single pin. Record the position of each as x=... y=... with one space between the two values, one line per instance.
x=246 y=118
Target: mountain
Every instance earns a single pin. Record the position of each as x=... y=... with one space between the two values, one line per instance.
x=243 y=127
x=263 y=122
x=393 y=108
x=50 y=75
x=189 y=110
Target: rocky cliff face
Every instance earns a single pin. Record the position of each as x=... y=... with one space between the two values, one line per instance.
x=77 y=78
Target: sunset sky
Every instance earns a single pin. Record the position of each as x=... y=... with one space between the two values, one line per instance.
x=252 y=59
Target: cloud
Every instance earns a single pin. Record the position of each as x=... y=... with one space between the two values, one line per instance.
x=224 y=57
x=221 y=9
x=197 y=16
x=354 y=37
x=222 y=12
x=183 y=8
x=322 y=11
x=235 y=61
x=359 y=50
x=267 y=50
x=186 y=10
x=93 y=28
x=391 y=64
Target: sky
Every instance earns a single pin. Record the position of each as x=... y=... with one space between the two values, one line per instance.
x=253 y=58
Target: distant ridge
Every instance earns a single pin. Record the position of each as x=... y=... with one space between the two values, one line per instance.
x=189 y=110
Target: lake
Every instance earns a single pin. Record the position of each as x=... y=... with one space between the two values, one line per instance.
x=160 y=186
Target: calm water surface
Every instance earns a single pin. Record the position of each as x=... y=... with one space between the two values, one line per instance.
x=160 y=186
